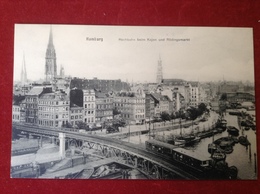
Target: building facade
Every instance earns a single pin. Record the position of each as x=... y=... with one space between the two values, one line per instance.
x=89 y=106
x=131 y=107
x=149 y=106
x=31 y=103
x=76 y=114
x=104 y=107
x=53 y=109
x=194 y=94
x=98 y=84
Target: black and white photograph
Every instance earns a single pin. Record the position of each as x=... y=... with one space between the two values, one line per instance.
x=133 y=102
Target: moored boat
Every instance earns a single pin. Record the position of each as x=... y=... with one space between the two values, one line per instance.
x=232 y=130
x=244 y=141
x=218 y=155
x=212 y=148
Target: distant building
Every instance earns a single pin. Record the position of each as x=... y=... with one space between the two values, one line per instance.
x=104 y=107
x=131 y=106
x=162 y=104
x=228 y=87
x=53 y=109
x=240 y=97
x=62 y=72
x=18 y=113
x=31 y=103
x=97 y=84
x=149 y=106
x=194 y=94
x=76 y=114
x=179 y=86
x=89 y=106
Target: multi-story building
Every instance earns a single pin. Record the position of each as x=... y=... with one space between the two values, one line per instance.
x=53 y=109
x=31 y=103
x=179 y=86
x=98 y=84
x=194 y=94
x=89 y=106
x=104 y=107
x=162 y=104
x=18 y=113
x=131 y=106
x=76 y=114
x=149 y=106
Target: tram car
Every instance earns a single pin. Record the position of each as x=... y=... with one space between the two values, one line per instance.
x=182 y=156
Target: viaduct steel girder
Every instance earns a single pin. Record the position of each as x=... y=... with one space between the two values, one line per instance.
x=145 y=162
x=150 y=168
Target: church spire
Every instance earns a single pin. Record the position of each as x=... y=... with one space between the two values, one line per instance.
x=159 y=71
x=23 y=72
x=50 y=38
x=50 y=64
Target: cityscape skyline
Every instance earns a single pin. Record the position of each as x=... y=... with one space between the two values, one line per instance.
x=129 y=53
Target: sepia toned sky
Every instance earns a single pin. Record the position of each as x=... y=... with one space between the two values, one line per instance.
x=189 y=53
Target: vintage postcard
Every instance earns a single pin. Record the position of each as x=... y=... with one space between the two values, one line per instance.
x=128 y=102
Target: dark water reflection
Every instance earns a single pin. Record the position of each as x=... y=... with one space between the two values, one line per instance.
x=240 y=157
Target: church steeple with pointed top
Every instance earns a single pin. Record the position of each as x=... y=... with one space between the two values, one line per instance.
x=50 y=60
x=23 y=72
x=159 y=77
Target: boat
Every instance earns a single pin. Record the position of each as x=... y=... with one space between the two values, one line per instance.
x=219 y=130
x=192 y=141
x=244 y=141
x=247 y=123
x=232 y=130
x=212 y=148
x=229 y=141
x=205 y=134
x=218 y=155
x=222 y=123
x=226 y=149
x=247 y=128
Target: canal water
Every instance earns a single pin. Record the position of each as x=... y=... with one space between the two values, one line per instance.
x=242 y=157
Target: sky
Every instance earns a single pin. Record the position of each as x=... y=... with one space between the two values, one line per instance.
x=189 y=53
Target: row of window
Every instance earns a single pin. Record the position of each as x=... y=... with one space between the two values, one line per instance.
x=76 y=117
x=89 y=120
x=76 y=111
x=104 y=106
x=16 y=109
x=102 y=113
x=51 y=102
x=31 y=99
x=52 y=108
x=89 y=98
x=89 y=106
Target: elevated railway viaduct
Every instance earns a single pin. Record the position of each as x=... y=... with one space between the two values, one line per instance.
x=152 y=165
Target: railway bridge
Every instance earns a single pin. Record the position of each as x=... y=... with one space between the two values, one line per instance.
x=152 y=165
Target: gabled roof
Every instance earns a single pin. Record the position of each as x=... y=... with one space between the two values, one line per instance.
x=158 y=97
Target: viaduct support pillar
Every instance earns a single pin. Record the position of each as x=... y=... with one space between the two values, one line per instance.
x=62 y=145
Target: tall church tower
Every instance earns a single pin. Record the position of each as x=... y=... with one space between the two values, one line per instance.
x=50 y=60
x=159 y=72
x=23 y=72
